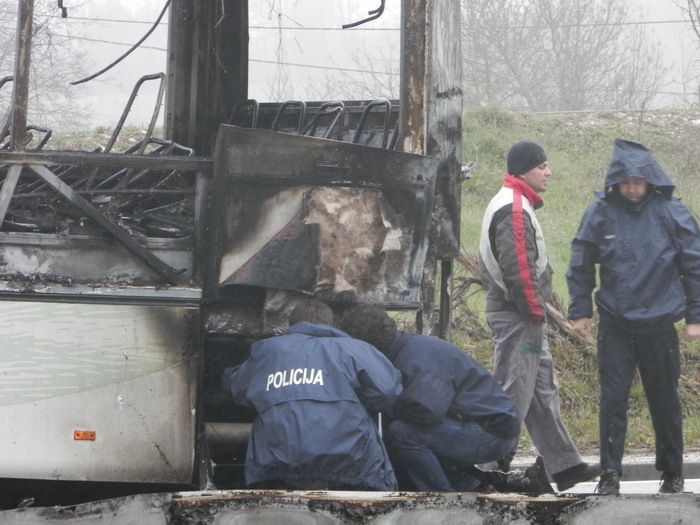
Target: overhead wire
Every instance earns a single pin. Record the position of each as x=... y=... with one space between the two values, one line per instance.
x=129 y=51
x=364 y=28
x=305 y=28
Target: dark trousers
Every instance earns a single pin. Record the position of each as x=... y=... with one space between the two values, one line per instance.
x=422 y=453
x=621 y=349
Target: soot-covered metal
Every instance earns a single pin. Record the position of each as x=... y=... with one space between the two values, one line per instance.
x=340 y=221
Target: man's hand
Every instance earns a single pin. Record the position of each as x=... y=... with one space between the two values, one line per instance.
x=582 y=326
x=691 y=332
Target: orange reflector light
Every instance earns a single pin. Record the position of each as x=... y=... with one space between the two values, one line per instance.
x=84 y=435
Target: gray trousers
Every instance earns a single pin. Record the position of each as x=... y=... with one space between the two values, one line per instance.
x=524 y=369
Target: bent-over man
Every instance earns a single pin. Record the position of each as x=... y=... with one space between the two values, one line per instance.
x=311 y=389
x=451 y=414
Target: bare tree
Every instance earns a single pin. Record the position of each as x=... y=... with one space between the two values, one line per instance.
x=692 y=9
x=640 y=76
x=557 y=55
x=372 y=74
x=55 y=62
x=501 y=54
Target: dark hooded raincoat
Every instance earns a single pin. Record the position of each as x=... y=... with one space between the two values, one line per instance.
x=649 y=252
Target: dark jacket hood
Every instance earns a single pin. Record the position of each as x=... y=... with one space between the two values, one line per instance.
x=631 y=159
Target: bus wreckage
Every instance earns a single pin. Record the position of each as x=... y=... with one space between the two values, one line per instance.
x=128 y=280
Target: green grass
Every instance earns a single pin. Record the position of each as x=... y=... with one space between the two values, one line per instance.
x=579 y=147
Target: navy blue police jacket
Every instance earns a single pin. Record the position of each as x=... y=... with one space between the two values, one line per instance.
x=312 y=389
x=440 y=381
x=648 y=252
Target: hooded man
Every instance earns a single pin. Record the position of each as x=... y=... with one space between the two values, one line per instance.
x=312 y=388
x=647 y=248
x=518 y=278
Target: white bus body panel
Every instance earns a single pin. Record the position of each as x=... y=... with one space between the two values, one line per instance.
x=125 y=372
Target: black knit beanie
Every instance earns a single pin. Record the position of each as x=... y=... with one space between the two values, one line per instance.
x=523 y=156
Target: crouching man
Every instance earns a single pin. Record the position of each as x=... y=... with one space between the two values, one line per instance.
x=311 y=389
x=451 y=414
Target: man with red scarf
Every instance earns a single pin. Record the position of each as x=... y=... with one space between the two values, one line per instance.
x=518 y=278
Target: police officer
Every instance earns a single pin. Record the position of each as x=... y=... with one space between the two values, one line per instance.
x=312 y=389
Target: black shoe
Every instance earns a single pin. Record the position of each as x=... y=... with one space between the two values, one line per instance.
x=576 y=474
x=671 y=483
x=532 y=480
x=609 y=484
x=538 y=474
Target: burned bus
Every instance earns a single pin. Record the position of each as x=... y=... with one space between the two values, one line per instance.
x=129 y=280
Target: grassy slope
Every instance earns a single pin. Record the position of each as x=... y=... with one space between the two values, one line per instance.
x=579 y=148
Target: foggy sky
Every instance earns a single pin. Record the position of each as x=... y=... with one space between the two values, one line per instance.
x=334 y=49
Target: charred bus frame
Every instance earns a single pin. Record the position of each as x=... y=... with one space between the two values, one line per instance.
x=217 y=282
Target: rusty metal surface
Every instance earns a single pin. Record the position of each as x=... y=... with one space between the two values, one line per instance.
x=444 y=122
x=337 y=220
x=413 y=70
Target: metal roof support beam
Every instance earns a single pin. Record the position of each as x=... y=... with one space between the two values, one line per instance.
x=179 y=71
x=108 y=160
x=20 y=92
x=207 y=68
x=431 y=124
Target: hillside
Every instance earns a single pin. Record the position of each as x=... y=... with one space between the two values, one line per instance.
x=579 y=146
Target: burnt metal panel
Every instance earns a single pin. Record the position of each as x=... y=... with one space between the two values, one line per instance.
x=370 y=207
x=444 y=122
x=278 y=263
x=84 y=259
